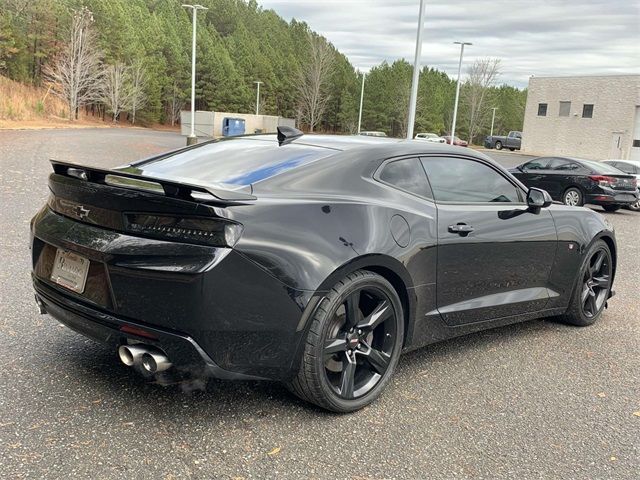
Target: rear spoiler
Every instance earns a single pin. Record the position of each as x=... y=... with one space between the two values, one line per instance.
x=176 y=188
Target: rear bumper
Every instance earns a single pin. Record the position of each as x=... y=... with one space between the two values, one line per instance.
x=612 y=198
x=107 y=329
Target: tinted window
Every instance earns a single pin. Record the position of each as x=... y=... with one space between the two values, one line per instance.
x=468 y=181
x=563 y=164
x=587 y=110
x=235 y=162
x=536 y=164
x=626 y=167
x=598 y=167
x=542 y=109
x=407 y=175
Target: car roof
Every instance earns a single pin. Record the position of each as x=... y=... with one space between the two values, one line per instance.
x=246 y=160
x=619 y=160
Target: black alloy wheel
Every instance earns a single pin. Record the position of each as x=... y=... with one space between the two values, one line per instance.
x=593 y=287
x=353 y=344
x=596 y=283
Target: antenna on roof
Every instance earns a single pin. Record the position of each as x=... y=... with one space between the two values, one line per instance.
x=287 y=134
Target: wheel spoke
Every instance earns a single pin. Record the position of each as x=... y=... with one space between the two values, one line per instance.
x=379 y=315
x=585 y=294
x=597 y=264
x=352 y=310
x=347 y=380
x=601 y=281
x=592 y=304
x=335 y=345
x=378 y=360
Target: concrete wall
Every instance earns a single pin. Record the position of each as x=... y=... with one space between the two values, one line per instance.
x=608 y=134
x=209 y=124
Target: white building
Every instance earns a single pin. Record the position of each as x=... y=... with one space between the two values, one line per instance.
x=594 y=117
x=211 y=124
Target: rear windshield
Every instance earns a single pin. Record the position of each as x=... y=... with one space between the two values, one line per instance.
x=234 y=162
x=601 y=167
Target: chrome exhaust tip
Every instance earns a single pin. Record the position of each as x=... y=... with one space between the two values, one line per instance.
x=155 y=361
x=131 y=354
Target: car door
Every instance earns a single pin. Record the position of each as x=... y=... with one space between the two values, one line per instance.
x=494 y=256
x=532 y=173
x=561 y=174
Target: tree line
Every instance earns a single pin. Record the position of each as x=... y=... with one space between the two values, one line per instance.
x=129 y=60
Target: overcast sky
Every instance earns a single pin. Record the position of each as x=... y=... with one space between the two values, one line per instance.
x=532 y=37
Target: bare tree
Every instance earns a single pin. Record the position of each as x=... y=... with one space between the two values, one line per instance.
x=75 y=73
x=313 y=83
x=482 y=75
x=138 y=95
x=175 y=102
x=115 y=89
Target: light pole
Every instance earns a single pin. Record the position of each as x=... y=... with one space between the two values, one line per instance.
x=416 y=73
x=257 y=82
x=493 y=117
x=455 y=106
x=361 y=99
x=192 y=139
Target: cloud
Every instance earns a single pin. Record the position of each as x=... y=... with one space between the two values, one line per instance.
x=532 y=37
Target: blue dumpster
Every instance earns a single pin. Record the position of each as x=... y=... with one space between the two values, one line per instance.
x=232 y=127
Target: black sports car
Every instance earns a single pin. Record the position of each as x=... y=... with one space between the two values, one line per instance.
x=576 y=182
x=311 y=260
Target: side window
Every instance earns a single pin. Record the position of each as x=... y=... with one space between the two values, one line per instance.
x=563 y=164
x=468 y=181
x=407 y=175
x=536 y=164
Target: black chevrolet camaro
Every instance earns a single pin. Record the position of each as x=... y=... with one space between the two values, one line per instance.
x=311 y=260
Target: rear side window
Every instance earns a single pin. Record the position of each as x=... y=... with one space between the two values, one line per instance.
x=463 y=180
x=562 y=164
x=407 y=175
x=536 y=164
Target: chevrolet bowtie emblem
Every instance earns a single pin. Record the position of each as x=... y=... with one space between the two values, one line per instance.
x=81 y=212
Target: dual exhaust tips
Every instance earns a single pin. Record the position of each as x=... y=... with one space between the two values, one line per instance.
x=152 y=359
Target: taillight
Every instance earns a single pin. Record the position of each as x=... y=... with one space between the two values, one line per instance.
x=603 y=180
x=203 y=231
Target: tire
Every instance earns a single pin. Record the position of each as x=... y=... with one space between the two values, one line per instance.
x=635 y=206
x=611 y=208
x=498 y=145
x=512 y=149
x=573 y=197
x=344 y=369
x=591 y=291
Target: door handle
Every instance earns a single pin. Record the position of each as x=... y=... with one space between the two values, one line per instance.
x=461 y=229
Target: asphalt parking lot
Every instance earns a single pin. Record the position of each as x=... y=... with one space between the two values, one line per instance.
x=534 y=400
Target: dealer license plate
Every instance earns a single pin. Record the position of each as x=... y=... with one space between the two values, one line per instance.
x=70 y=270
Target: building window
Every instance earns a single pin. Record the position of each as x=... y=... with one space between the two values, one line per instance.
x=636 y=143
x=565 y=109
x=587 y=110
x=542 y=109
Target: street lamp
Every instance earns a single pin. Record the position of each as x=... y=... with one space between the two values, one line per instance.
x=192 y=139
x=416 y=74
x=257 y=82
x=361 y=99
x=493 y=117
x=455 y=107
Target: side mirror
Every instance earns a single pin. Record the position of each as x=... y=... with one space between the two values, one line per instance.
x=538 y=199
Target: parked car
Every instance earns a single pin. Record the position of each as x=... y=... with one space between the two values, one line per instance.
x=631 y=167
x=513 y=141
x=373 y=134
x=430 y=137
x=576 y=182
x=312 y=262
x=456 y=141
